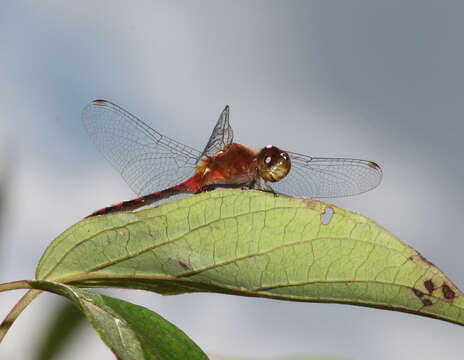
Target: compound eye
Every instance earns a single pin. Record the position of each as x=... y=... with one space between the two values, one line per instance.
x=273 y=163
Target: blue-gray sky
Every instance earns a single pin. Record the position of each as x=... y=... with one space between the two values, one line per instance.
x=381 y=80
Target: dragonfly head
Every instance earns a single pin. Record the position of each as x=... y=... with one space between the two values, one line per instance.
x=273 y=163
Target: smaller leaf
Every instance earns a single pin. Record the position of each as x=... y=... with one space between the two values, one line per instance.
x=130 y=331
x=282 y=357
x=66 y=321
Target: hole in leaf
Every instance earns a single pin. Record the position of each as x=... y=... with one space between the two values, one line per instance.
x=326 y=216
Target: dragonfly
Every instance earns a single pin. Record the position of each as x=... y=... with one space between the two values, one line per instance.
x=157 y=167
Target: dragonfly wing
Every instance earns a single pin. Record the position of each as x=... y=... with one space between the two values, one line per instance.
x=221 y=136
x=147 y=160
x=328 y=177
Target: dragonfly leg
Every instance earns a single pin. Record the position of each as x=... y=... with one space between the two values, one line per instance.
x=262 y=185
x=268 y=187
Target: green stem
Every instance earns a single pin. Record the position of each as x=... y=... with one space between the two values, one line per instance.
x=14 y=285
x=17 y=309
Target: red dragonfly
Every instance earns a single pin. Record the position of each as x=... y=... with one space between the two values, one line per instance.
x=157 y=167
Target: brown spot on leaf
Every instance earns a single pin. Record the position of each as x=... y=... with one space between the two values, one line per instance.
x=448 y=293
x=418 y=293
x=419 y=257
x=183 y=265
x=429 y=285
x=310 y=203
x=424 y=259
x=427 y=302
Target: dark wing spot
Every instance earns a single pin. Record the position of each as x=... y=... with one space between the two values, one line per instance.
x=448 y=293
x=374 y=165
x=99 y=102
x=429 y=285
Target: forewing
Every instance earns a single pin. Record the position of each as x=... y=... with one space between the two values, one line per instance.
x=221 y=136
x=147 y=160
x=328 y=177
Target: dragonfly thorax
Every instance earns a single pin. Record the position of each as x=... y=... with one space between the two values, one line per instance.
x=273 y=163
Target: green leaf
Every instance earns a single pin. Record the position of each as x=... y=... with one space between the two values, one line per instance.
x=130 y=331
x=283 y=357
x=253 y=243
x=64 y=324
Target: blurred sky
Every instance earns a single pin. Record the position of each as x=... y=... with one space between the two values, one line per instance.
x=381 y=80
